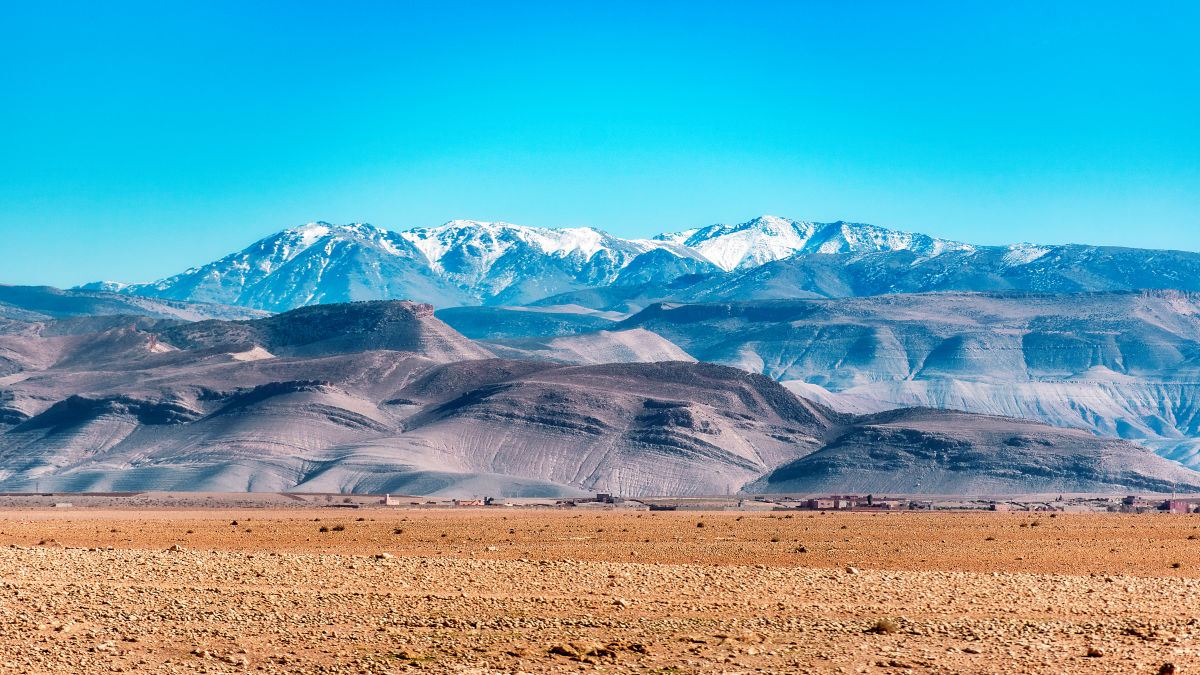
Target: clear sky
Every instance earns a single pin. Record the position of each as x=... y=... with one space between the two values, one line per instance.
x=139 y=139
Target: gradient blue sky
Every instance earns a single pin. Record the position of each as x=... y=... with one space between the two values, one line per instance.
x=140 y=139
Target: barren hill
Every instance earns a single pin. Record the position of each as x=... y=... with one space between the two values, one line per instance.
x=383 y=397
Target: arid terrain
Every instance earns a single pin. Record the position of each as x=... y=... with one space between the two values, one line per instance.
x=506 y=590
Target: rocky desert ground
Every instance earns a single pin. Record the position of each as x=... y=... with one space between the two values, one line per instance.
x=506 y=590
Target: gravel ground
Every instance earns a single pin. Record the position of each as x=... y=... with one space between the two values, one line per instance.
x=511 y=591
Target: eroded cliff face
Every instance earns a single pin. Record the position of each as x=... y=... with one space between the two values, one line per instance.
x=1122 y=364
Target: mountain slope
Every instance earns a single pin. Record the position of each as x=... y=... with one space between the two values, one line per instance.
x=44 y=303
x=313 y=264
x=1121 y=364
x=629 y=346
x=1043 y=269
x=459 y=263
x=769 y=238
x=334 y=329
x=519 y=322
x=940 y=451
x=380 y=396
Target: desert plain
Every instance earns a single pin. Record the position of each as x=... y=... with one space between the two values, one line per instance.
x=510 y=590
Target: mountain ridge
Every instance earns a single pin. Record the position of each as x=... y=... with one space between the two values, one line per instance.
x=384 y=397
x=467 y=263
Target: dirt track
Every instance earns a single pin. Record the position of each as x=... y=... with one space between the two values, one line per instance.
x=512 y=591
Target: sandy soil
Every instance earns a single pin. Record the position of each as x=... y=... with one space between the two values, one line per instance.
x=506 y=590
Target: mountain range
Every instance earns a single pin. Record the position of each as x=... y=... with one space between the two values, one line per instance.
x=464 y=263
x=562 y=360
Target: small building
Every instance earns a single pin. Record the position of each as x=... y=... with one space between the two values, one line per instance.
x=1135 y=503
x=752 y=505
x=1177 y=506
x=389 y=500
x=820 y=504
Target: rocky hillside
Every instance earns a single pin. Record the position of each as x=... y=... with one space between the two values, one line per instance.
x=942 y=451
x=1122 y=364
x=45 y=303
x=383 y=397
x=335 y=329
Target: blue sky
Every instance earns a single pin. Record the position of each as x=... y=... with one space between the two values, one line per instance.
x=140 y=139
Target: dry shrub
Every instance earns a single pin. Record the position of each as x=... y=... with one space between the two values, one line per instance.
x=883 y=627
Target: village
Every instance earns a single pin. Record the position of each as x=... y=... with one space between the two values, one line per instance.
x=1068 y=503
x=867 y=503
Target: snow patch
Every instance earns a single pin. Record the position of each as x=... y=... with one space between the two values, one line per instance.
x=769 y=238
x=1023 y=254
x=311 y=233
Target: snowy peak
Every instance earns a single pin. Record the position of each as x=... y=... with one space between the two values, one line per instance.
x=471 y=250
x=268 y=254
x=298 y=239
x=471 y=262
x=749 y=244
x=769 y=238
x=493 y=239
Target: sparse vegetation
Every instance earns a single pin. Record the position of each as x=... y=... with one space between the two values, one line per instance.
x=883 y=627
x=739 y=574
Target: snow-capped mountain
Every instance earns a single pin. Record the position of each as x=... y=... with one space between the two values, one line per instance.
x=769 y=238
x=317 y=263
x=466 y=262
x=463 y=262
x=502 y=260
